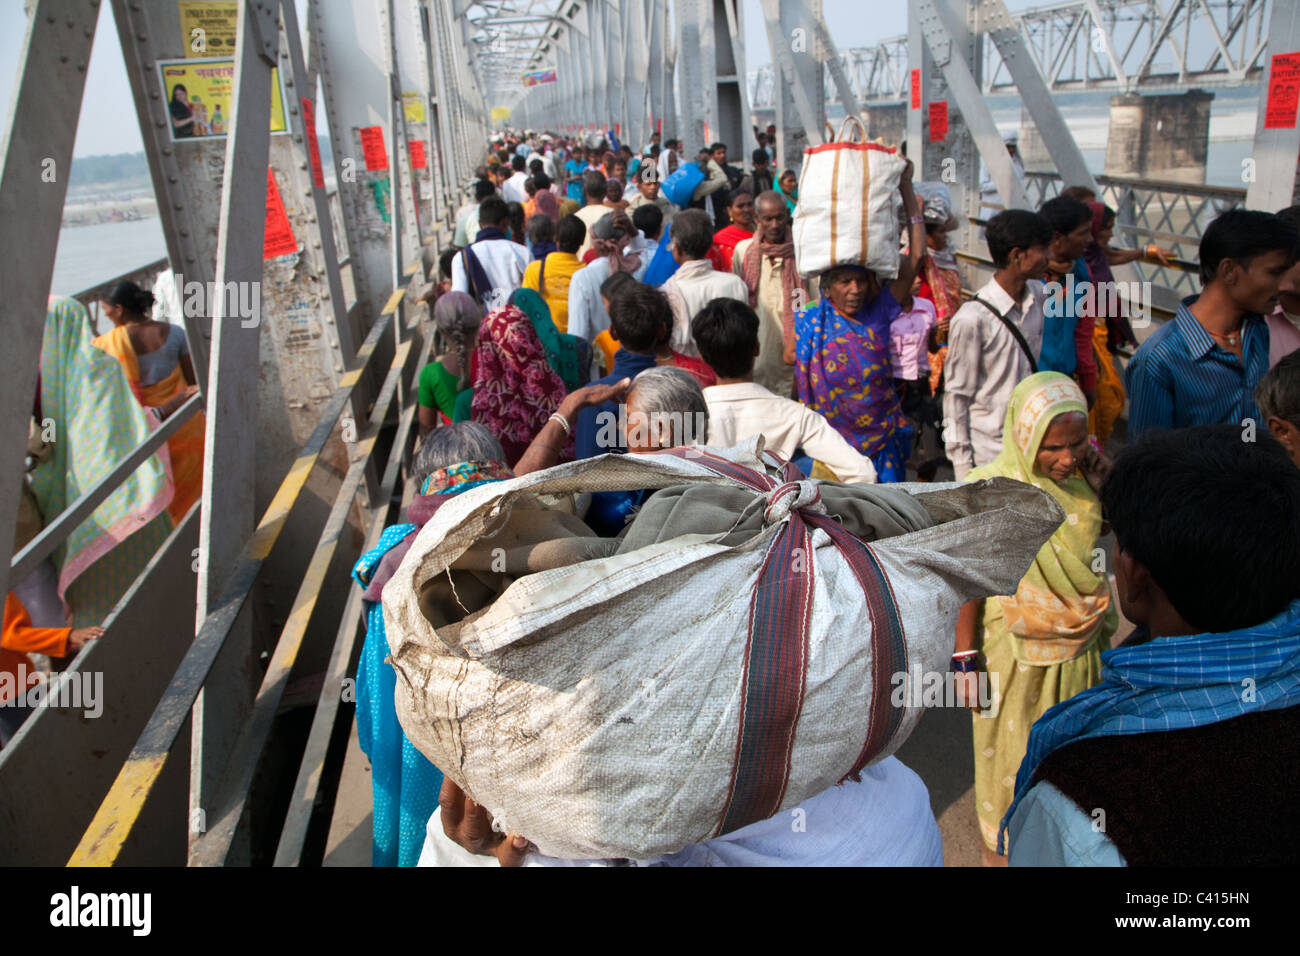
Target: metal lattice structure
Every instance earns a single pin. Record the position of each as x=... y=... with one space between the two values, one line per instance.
x=1117 y=46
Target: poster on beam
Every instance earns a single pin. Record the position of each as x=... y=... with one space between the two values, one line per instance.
x=538 y=77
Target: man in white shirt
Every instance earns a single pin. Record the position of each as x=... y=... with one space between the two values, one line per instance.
x=492 y=266
x=727 y=333
x=587 y=315
x=467 y=218
x=883 y=819
x=695 y=282
x=593 y=191
x=986 y=359
x=513 y=189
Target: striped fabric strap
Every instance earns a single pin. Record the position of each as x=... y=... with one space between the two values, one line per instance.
x=775 y=667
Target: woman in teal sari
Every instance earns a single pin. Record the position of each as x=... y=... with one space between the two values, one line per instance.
x=452 y=459
x=86 y=400
x=569 y=355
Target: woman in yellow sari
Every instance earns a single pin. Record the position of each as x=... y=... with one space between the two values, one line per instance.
x=156 y=358
x=1043 y=644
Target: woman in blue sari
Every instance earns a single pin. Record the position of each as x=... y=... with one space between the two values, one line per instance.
x=842 y=364
x=452 y=459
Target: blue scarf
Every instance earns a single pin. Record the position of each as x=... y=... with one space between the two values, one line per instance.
x=1173 y=683
x=479 y=283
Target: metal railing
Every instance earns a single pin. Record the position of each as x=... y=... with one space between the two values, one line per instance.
x=122 y=813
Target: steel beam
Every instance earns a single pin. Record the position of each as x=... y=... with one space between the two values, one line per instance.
x=230 y=452
x=1274 y=184
x=38 y=145
x=936 y=21
x=801 y=107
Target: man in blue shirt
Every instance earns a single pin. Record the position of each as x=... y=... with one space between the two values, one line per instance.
x=573 y=170
x=1202 y=368
x=639 y=318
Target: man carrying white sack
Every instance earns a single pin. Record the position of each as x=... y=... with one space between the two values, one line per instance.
x=883 y=820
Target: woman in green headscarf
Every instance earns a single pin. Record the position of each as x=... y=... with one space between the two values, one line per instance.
x=563 y=352
x=788 y=187
x=1043 y=644
x=86 y=398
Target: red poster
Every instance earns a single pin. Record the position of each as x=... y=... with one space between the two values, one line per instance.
x=1283 y=91
x=278 y=239
x=916 y=89
x=418 y=158
x=372 y=147
x=659 y=125
x=939 y=121
x=313 y=145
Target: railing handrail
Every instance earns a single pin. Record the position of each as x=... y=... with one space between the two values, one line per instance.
x=1154 y=185
x=104 y=838
x=71 y=517
x=89 y=295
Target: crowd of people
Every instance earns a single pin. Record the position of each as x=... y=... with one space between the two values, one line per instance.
x=635 y=290
x=598 y=299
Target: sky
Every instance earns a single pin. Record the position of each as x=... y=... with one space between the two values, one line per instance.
x=108 y=123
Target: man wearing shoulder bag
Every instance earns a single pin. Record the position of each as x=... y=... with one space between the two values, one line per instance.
x=994 y=340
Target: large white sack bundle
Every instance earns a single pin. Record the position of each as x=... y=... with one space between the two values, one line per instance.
x=846 y=214
x=627 y=706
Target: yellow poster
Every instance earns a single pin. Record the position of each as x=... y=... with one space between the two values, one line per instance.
x=413 y=106
x=500 y=113
x=208 y=27
x=198 y=97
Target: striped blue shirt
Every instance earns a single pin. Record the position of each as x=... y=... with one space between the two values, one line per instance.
x=1180 y=377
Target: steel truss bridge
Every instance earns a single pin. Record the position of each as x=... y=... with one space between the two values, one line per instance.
x=1111 y=46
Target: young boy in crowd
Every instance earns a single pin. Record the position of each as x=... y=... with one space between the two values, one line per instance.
x=994 y=339
x=1284 y=321
x=1067 y=318
x=1182 y=755
x=726 y=332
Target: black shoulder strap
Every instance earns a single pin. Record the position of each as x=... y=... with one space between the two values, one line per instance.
x=1011 y=327
x=541 y=276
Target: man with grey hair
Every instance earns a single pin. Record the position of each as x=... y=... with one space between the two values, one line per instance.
x=665 y=409
x=1278 y=397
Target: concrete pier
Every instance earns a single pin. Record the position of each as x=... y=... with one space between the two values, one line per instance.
x=887 y=122
x=1159 y=137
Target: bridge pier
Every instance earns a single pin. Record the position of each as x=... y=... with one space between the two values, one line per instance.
x=1032 y=147
x=887 y=121
x=1159 y=137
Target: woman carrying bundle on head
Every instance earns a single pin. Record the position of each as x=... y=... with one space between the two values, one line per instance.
x=842 y=363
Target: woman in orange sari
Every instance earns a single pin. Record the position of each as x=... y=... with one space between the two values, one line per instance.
x=156 y=358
